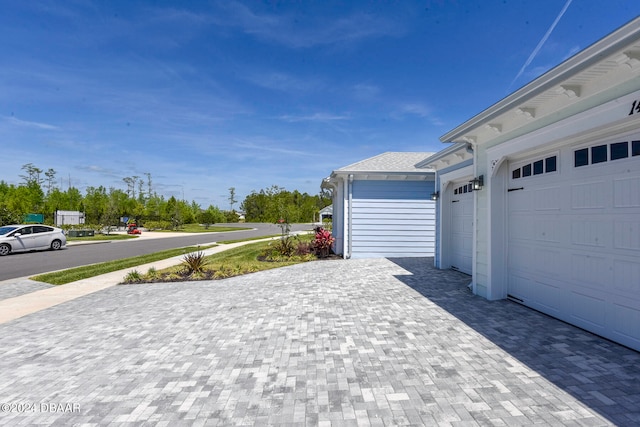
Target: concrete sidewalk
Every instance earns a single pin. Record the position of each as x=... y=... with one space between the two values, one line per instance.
x=50 y=295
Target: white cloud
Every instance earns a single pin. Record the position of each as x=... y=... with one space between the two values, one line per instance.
x=24 y=123
x=285 y=30
x=317 y=117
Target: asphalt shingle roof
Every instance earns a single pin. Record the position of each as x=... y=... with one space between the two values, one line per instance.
x=389 y=162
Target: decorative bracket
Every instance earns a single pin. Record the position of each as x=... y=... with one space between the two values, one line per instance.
x=528 y=113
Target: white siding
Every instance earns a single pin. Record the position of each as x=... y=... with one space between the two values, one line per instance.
x=393 y=219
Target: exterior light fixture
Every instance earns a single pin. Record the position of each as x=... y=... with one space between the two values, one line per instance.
x=477 y=183
x=435 y=196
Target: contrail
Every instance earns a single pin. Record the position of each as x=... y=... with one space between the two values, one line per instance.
x=542 y=42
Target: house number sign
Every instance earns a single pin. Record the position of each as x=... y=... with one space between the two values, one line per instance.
x=635 y=108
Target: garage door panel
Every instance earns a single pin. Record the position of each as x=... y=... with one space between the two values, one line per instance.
x=626 y=235
x=594 y=233
x=548 y=230
x=521 y=228
x=547 y=199
x=462 y=226
x=626 y=319
x=519 y=257
x=625 y=193
x=520 y=201
x=551 y=263
x=626 y=277
x=547 y=295
x=590 y=270
x=591 y=195
x=588 y=310
x=520 y=286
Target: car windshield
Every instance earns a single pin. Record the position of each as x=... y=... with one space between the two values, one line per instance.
x=6 y=230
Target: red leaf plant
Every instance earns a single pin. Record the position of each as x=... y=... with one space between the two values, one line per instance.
x=322 y=243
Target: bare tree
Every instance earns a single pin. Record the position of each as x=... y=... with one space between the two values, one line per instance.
x=232 y=197
x=33 y=174
x=51 y=177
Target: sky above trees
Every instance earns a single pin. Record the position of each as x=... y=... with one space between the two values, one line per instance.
x=205 y=96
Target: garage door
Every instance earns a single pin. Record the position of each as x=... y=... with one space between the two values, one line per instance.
x=393 y=219
x=574 y=236
x=461 y=243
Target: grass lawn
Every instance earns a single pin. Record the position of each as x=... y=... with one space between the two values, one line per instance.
x=99 y=237
x=244 y=259
x=84 y=272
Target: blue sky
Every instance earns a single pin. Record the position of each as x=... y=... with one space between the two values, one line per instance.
x=210 y=95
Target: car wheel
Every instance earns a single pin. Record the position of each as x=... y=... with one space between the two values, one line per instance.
x=4 y=249
x=55 y=245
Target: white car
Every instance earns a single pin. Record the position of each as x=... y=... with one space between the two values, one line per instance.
x=30 y=237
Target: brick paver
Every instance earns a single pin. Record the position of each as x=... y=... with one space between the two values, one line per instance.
x=334 y=343
x=16 y=288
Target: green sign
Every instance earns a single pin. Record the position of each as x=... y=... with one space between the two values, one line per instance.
x=34 y=218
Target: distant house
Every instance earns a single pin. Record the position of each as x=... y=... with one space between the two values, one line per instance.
x=539 y=195
x=382 y=207
x=326 y=213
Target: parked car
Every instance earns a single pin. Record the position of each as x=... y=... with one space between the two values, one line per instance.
x=30 y=237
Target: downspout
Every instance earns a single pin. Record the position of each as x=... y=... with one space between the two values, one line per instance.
x=350 y=215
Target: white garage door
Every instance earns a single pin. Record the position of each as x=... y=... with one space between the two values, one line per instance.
x=393 y=219
x=461 y=243
x=574 y=236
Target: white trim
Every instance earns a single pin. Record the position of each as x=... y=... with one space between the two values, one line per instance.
x=592 y=55
x=455 y=175
x=596 y=123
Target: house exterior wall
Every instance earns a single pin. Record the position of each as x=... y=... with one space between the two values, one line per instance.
x=392 y=218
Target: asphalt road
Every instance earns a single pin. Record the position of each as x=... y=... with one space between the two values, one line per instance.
x=31 y=263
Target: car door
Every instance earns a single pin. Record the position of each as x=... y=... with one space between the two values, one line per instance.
x=25 y=239
x=42 y=236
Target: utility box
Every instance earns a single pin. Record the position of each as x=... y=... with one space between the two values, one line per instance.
x=80 y=233
x=69 y=218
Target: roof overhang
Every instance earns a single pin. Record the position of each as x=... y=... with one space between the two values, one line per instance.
x=450 y=156
x=573 y=86
x=426 y=175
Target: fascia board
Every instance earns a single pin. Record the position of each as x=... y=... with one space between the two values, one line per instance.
x=577 y=63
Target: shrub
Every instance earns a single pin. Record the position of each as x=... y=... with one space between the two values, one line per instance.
x=152 y=273
x=304 y=248
x=322 y=243
x=157 y=225
x=133 y=277
x=194 y=262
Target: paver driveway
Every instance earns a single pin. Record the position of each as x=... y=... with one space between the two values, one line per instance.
x=359 y=342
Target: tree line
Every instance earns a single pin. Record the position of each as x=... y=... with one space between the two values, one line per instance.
x=39 y=193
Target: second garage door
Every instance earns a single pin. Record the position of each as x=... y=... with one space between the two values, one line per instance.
x=461 y=243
